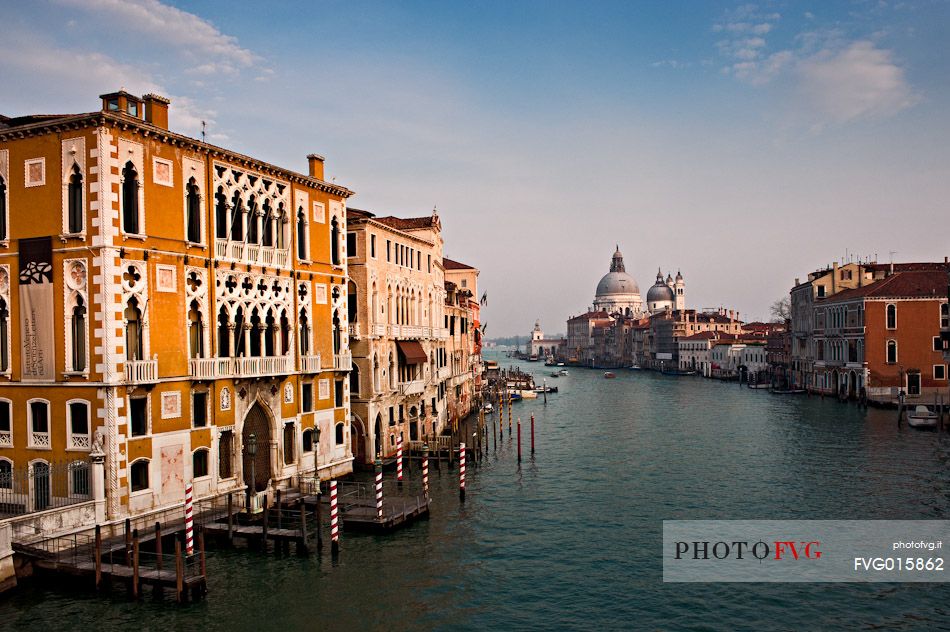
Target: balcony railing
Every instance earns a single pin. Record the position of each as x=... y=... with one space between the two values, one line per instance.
x=39 y=440
x=414 y=387
x=79 y=442
x=354 y=331
x=342 y=361
x=250 y=253
x=141 y=371
x=310 y=363
x=211 y=368
x=444 y=373
x=6 y=439
x=377 y=330
x=263 y=366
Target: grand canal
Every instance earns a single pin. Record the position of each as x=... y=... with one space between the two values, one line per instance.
x=571 y=539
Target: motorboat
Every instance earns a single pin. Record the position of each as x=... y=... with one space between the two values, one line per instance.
x=635 y=367
x=922 y=417
x=555 y=374
x=546 y=389
x=609 y=374
x=488 y=408
x=527 y=394
x=563 y=372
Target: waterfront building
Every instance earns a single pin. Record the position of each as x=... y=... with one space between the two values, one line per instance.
x=884 y=337
x=580 y=330
x=165 y=304
x=401 y=360
x=542 y=347
x=464 y=341
x=694 y=352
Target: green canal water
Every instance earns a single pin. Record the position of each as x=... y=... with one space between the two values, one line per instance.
x=571 y=539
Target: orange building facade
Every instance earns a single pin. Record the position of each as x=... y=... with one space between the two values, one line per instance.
x=161 y=301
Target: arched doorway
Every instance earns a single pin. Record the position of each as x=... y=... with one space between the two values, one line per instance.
x=257 y=422
x=378 y=434
x=852 y=385
x=835 y=383
x=358 y=439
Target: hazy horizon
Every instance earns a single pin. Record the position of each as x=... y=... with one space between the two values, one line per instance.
x=742 y=144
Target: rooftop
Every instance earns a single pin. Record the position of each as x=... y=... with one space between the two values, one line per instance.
x=909 y=284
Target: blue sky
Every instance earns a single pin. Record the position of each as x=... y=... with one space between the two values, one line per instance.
x=744 y=144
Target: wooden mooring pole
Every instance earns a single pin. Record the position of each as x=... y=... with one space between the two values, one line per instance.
x=230 y=519
x=532 y=433
x=266 y=517
x=179 y=571
x=98 y=553
x=519 y=439
x=135 y=564
x=158 y=545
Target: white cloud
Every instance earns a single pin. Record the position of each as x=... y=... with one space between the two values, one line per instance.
x=860 y=81
x=178 y=30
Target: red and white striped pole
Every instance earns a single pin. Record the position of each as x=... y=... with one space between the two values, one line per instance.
x=379 y=490
x=189 y=520
x=462 y=472
x=334 y=520
x=399 y=460
x=425 y=471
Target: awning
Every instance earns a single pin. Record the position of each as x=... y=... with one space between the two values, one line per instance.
x=412 y=352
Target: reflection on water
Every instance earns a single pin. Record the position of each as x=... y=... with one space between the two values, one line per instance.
x=573 y=537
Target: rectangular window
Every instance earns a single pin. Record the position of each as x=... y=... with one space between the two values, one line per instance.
x=351 y=244
x=39 y=414
x=418 y=261
x=372 y=246
x=821 y=291
x=138 y=416
x=389 y=248
x=429 y=262
x=225 y=452
x=199 y=409
x=940 y=371
x=938 y=343
x=290 y=437
x=913 y=383
x=306 y=397
x=5 y=417
x=79 y=419
x=338 y=393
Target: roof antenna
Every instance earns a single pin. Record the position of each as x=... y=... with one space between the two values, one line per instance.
x=203 y=124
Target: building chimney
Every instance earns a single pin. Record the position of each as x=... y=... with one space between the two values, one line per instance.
x=316 y=166
x=156 y=110
x=834 y=277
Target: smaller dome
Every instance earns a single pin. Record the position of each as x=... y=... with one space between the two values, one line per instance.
x=679 y=275
x=660 y=290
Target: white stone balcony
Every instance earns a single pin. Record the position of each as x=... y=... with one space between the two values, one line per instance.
x=79 y=442
x=262 y=366
x=254 y=254
x=310 y=363
x=342 y=361
x=415 y=387
x=354 y=330
x=377 y=330
x=209 y=368
x=141 y=371
x=6 y=439
x=444 y=373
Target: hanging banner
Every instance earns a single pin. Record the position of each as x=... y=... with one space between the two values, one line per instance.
x=36 y=309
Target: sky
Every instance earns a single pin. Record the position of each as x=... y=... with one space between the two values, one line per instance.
x=742 y=144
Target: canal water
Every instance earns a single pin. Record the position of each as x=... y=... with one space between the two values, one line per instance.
x=571 y=539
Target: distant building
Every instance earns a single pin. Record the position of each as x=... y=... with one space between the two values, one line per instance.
x=542 y=347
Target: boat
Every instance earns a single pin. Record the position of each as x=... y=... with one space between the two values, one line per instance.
x=527 y=395
x=609 y=374
x=560 y=364
x=788 y=391
x=555 y=374
x=922 y=417
x=759 y=385
x=546 y=389
x=514 y=396
x=635 y=367
x=550 y=362
x=488 y=408
x=562 y=371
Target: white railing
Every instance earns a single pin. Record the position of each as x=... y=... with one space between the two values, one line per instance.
x=209 y=368
x=354 y=329
x=377 y=330
x=310 y=363
x=80 y=442
x=264 y=366
x=39 y=439
x=444 y=373
x=342 y=361
x=6 y=439
x=140 y=371
x=414 y=387
x=440 y=333
x=250 y=253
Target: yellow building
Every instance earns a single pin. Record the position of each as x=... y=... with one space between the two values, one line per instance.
x=161 y=300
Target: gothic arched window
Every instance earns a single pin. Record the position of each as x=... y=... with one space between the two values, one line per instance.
x=130 y=199
x=74 y=199
x=301 y=234
x=77 y=330
x=193 y=209
x=133 y=330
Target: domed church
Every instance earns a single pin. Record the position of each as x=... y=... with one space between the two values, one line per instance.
x=617 y=291
x=668 y=294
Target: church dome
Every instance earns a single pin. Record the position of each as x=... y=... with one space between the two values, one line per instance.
x=660 y=291
x=617 y=281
